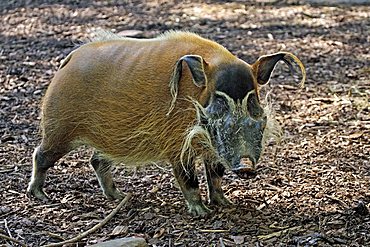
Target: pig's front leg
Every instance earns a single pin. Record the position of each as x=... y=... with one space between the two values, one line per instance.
x=214 y=173
x=188 y=182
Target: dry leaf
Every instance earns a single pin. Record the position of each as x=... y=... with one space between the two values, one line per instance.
x=160 y=233
x=238 y=239
x=119 y=230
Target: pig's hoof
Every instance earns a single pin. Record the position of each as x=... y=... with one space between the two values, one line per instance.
x=113 y=195
x=37 y=193
x=199 y=210
x=220 y=200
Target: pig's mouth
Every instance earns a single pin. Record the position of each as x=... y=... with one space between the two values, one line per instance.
x=245 y=168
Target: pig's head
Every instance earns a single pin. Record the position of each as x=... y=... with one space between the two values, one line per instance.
x=237 y=123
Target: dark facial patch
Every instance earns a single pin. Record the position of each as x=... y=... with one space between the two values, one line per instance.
x=235 y=134
x=236 y=80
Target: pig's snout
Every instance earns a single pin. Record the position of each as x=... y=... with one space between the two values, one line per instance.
x=245 y=169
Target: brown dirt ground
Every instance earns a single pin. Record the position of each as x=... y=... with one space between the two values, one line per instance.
x=312 y=189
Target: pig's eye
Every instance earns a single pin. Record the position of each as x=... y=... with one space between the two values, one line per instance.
x=264 y=122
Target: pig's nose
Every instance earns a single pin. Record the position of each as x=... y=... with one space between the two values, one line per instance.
x=245 y=168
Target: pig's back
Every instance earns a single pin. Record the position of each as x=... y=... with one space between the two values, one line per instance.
x=115 y=94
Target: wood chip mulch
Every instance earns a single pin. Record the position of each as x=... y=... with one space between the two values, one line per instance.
x=312 y=188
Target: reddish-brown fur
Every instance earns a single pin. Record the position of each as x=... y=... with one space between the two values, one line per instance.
x=138 y=101
x=114 y=95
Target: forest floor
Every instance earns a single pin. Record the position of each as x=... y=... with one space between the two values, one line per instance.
x=312 y=188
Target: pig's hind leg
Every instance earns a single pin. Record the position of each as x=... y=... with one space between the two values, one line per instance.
x=214 y=175
x=189 y=185
x=42 y=161
x=102 y=167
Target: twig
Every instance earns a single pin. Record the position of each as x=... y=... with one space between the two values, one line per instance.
x=96 y=227
x=222 y=243
x=342 y=203
x=277 y=234
x=7 y=228
x=10 y=212
x=6 y=170
x=272 y=226
x=251 y=200
x=309 y=15
x=48 y=205
x=273 y=187
x=13 y=240
x=213 y=230
x=56 y=236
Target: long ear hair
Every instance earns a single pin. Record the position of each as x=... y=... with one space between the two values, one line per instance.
x=273 y=129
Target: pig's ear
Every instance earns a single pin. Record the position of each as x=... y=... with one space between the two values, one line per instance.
x=195 y=64
x=196 y=67
x=265 y=65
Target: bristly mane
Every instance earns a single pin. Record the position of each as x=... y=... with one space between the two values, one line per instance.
x=103 y=35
